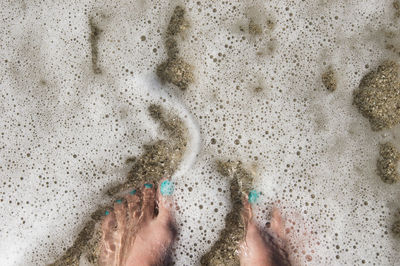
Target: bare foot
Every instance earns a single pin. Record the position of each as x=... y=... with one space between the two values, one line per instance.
x=262 y=248
x=133 y=234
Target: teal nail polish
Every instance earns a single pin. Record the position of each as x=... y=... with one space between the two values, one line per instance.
x=133 y=192
x=118 y=201
x=167 y=188
x=253 y=196
x=107 y=213
x=148 y=185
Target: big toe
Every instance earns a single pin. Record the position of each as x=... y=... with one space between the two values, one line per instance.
x=247 y=211
x=165 y=201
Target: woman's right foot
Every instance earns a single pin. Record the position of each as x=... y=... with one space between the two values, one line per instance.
x=255 y=250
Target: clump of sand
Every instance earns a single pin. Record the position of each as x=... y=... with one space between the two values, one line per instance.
x=387 y=163
x=378 y=96
x=175 y=69
x=329 y=79
x=396 y=228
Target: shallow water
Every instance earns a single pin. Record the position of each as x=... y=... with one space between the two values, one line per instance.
x=77 y=79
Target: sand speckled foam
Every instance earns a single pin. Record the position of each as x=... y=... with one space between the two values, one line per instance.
x=76 y=80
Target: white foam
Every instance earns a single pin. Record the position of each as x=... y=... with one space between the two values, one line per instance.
x=78 y=127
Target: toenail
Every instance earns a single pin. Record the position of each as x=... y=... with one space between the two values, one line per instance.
x=133 y=192
x=107 y=213
x=167 y=188
x=118 y=201
x=253 y=196
x=148 y=185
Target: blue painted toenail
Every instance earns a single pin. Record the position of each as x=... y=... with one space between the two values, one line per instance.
x=118 y=201
x=253 y=196
x=133 y=192
x=148 y=185
x=107 y=213
x=167 y=188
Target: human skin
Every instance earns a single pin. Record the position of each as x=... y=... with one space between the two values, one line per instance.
x=132 y=234
x=255 y=249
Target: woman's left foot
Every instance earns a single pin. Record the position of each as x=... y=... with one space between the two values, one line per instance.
x=132 y=234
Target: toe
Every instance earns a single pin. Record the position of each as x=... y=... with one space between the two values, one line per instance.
x=247 y=211
x=109 y=222
x=247 y=216
x=108 y=227
x=133 y=203
x=165 y=201
x=120 y=213
x=148 y=202
x=277 y=224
